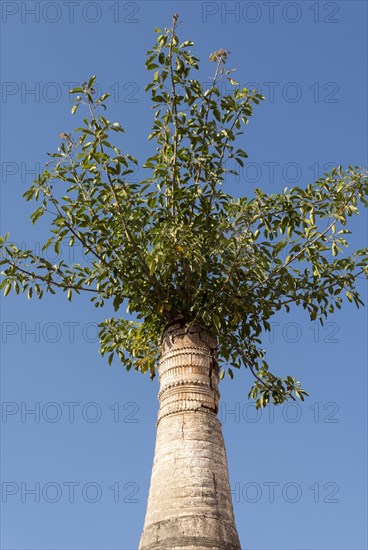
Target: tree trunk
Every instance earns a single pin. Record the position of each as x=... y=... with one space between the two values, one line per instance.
x=189 y=503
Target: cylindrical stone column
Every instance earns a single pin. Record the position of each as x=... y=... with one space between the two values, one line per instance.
x=189 y=505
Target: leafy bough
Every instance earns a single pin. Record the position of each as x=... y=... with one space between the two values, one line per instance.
x=175 y=246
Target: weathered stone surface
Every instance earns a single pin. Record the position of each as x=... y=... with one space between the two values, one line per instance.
x=189 y=504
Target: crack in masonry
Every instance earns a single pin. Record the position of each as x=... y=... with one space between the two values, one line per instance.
x=214 y=482
x=213 y=366
x=211 y=355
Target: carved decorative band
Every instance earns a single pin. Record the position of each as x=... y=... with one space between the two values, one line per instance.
x=180 y=359
x=188 y=401
x=191 y=392
x=186 y=350
x=186 y=382
x=179 y=373
x=200 y=542
x=187 y=406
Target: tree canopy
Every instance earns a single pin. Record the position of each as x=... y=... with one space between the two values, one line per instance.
x=176 y=245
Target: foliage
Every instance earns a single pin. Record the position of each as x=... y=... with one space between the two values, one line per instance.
x=175 y=245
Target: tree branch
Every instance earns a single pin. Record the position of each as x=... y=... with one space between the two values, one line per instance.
x=48 y=281
x=72 y=230
x=247 y=363
x=175 y=112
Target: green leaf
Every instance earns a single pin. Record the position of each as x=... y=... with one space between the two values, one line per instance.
x=217 y=322
x=7 y=289
x=91 y=81
x=186 y=44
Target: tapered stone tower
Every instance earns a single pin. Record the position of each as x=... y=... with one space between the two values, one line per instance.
x=189 y=504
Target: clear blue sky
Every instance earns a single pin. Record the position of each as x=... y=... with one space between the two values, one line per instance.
x=299 y=477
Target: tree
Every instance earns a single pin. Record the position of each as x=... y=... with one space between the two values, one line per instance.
x=179 y=251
